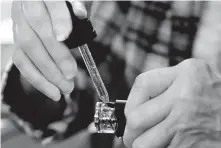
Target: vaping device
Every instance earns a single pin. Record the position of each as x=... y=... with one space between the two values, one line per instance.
x=109 y=116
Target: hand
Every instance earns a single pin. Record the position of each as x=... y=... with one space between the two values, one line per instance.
x=175 y=107
x=44 y=61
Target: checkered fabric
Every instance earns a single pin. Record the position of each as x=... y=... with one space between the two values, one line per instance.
x=133 y=37
x=146 y=34
x=137 y=36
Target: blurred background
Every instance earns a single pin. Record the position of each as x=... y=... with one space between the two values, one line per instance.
x=133 y=37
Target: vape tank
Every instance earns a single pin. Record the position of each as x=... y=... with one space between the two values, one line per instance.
x=109 y=117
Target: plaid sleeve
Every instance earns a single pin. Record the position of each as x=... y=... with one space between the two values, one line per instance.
x=146 y=34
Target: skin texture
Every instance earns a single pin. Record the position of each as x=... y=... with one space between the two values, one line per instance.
x=44 y=61
x=184 y=112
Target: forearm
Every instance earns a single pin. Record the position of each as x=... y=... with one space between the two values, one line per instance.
x=208 y=40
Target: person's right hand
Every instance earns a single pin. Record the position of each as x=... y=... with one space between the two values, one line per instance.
x=38 y=28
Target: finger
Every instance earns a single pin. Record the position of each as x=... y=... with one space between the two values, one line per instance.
x=149 y=85
x=146 y=116
x=79 y=9
x=31 y=73
x=60 y=19
x=60 y=16
x=157 y=137
x=39 y=19
x=32 y=46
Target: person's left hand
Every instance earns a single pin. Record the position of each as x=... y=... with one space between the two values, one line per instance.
x=175 y=107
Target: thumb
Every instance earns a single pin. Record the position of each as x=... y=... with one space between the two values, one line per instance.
x=79 y=9
x=61 y=18
x=149 y=85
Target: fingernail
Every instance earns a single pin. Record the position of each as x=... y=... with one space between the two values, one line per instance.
x=79 y=10
x=56 y=97
x=60 y=37
x=68 y=69
x=69 y=77
x=81 y=13
x=68 y=87
x=52 y=92
x=61 y=30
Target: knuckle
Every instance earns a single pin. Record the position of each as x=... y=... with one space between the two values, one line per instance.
x=44 y=30
x=26 y=41
x=50 y=72
x=197 y=73
x=34 y=11
x=140 y=79
x=195 y=66
x=145 y=79
x=57 y=78
x=36 y=15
